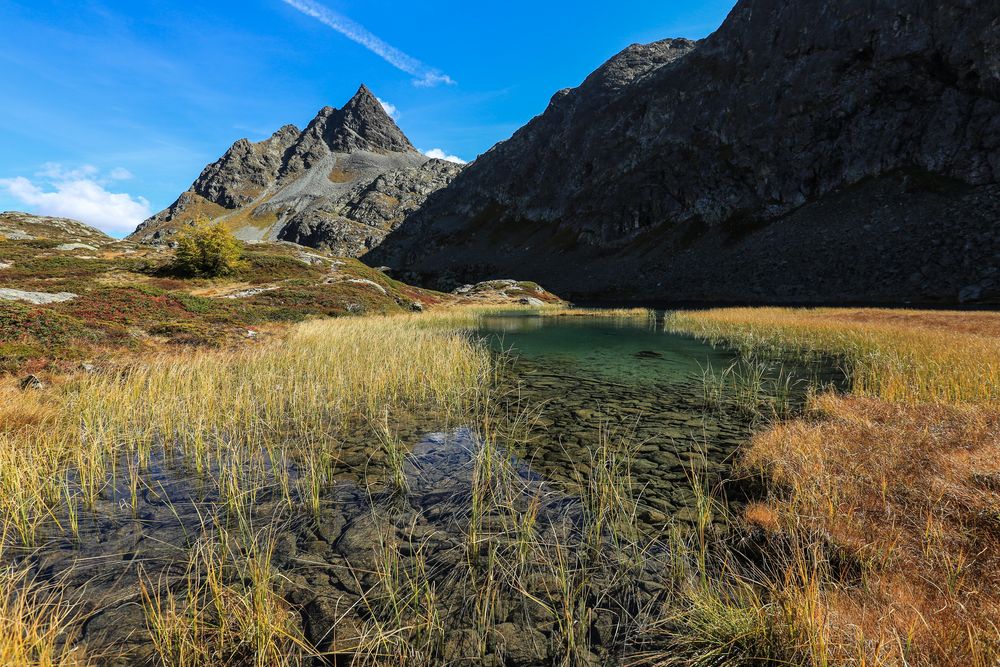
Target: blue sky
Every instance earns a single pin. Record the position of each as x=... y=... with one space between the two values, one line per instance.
x=110 y=109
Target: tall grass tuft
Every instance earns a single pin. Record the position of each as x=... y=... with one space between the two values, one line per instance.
x=909 y=356
x=37 y=624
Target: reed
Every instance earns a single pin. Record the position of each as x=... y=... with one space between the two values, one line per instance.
x=225 y=609
x=877 y=548
x=37 y=623
x=910 y=356
x=405 y=624
x=638 y=314
x=221 y=412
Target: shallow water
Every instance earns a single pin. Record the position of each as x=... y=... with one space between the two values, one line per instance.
x=581 y=379
x=630 y=379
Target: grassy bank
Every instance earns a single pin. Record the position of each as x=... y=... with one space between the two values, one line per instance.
x=130 y=301
x=272 y=417
x=878 y=540
x=913 y=356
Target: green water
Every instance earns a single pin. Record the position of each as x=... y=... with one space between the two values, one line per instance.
x=630 y=379
x=623 y=351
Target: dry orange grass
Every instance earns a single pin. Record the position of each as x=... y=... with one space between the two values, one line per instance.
x=896 y=489
x=909 y=496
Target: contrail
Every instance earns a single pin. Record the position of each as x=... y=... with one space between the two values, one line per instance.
x=354 y=31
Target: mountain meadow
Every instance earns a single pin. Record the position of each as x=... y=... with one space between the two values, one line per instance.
x=699 y=368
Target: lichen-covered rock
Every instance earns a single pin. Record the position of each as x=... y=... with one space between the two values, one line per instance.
x=862 y=137
x=341 y=184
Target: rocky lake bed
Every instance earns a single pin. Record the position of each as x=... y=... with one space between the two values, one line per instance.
x=591 y=406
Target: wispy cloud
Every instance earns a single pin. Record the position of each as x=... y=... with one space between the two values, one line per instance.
x=80 y=194
x=424 y=75
x=441 y=155
x=389 y=108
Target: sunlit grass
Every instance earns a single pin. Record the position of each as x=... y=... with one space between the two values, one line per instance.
x=880 y=523
x=292 y=398
x=224 y=610
x=895 y=355
x=37 y=624
x=641 y=314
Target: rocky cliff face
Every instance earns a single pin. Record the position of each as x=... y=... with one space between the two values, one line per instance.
x=341 y=184
x=806 y=151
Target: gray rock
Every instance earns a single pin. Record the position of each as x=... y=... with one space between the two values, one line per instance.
x=253 y=291
x=19 y=226
x=37 y=298
x=341 y=184
x=75 y=246
x=805 y=151
x=32 y=382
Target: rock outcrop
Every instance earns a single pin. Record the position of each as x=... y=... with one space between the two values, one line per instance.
x=19 y=226
x=808 y=151
x=341 y=184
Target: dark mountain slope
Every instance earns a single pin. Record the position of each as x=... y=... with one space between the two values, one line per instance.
x=806 y=151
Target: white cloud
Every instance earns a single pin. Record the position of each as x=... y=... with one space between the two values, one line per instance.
x=441 y=155
x=120 y=174
x=54 y=171
x=389 y=108
x=80 y=194
x=425 y=76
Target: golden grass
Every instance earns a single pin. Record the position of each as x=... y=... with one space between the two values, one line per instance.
x=611 y=313
x=217 y=408
x=883 y=514
x=239 y=620
x=908 y=356
x=36 y=624
x=909 y=498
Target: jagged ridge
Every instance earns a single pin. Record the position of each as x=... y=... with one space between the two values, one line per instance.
x=342 y=183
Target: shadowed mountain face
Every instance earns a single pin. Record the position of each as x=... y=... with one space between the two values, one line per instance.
x=819 y=151
x=341 y=184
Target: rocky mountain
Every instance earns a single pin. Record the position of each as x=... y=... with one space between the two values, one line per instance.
x=341 y=184
x=807 y=151
x=17 y=226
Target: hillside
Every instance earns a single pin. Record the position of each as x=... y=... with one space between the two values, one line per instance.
x=18 y=226
x=805 y=152
x=63 y=303
x=341 y=184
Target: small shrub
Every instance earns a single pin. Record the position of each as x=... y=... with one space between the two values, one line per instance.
x=207 y=249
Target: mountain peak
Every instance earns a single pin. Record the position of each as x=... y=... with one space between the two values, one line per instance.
x=364 y=95
x=363 y=124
